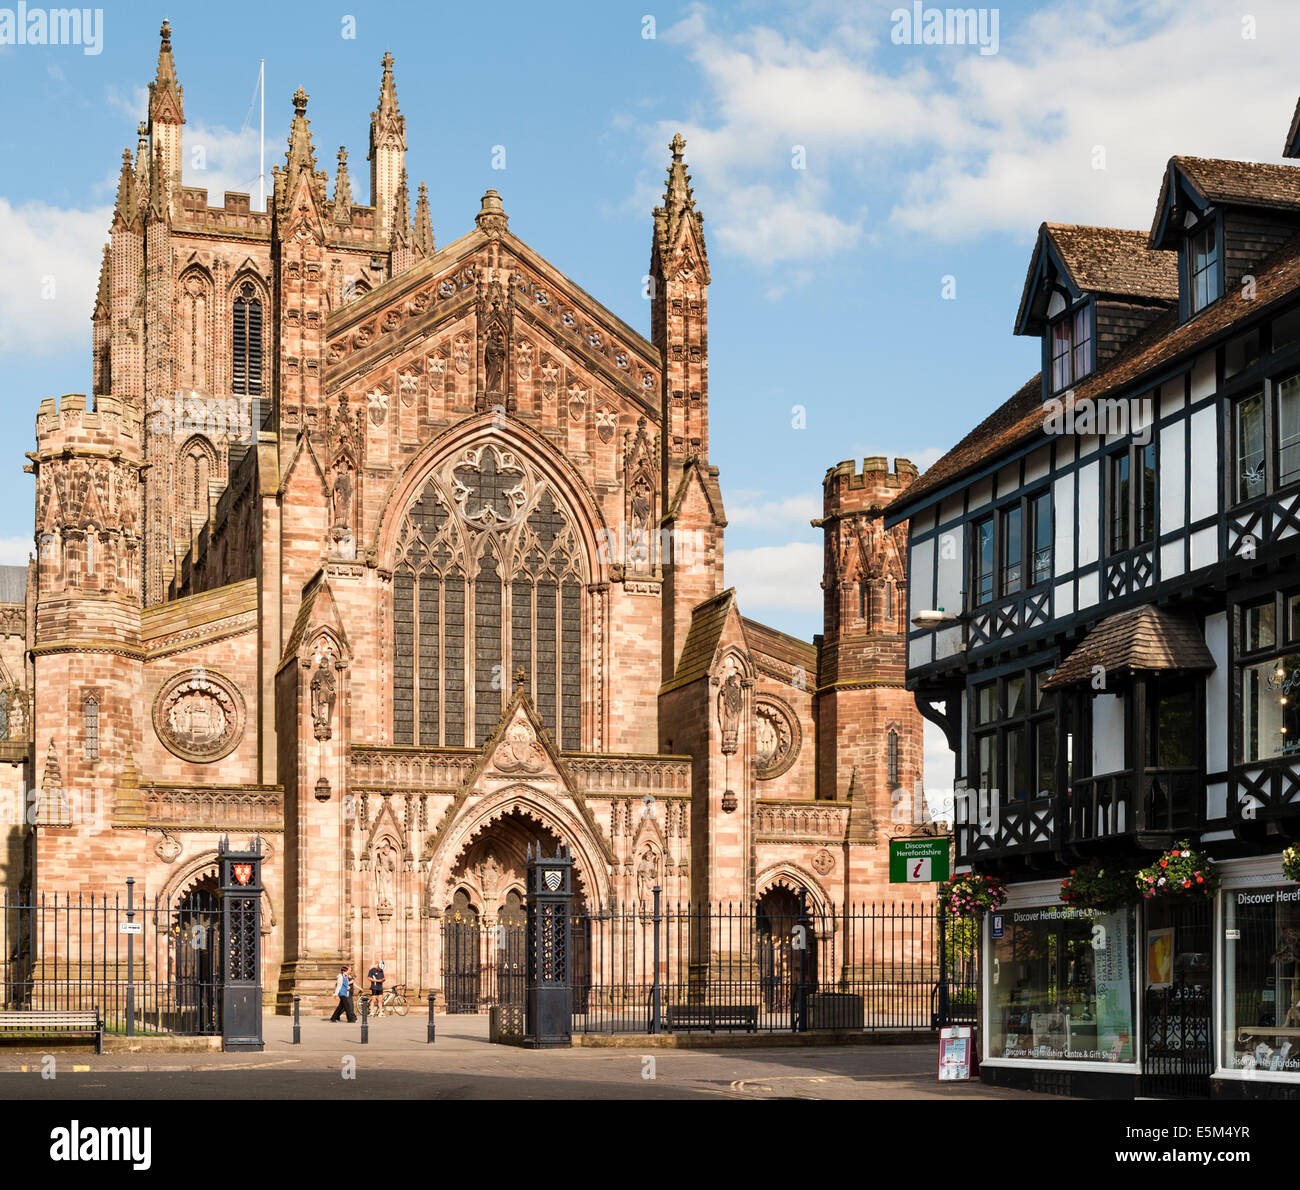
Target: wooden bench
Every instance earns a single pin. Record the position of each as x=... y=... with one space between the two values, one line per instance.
x=53 y=1023
x=712 y=1017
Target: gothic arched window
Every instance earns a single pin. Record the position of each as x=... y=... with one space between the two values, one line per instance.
x=246 y=371
x=196 y=470
x=92 y=728
x=192 y=357
x=893 y=758
x=889 y=603
x=487 y=581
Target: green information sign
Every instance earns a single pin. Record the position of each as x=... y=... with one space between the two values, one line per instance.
x=917 y=861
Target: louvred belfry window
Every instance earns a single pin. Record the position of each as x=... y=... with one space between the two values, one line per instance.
x=246 y=371
x=487 y=581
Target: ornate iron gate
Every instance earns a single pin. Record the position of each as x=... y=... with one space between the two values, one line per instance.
x=1177 y=1006
x=483 y=965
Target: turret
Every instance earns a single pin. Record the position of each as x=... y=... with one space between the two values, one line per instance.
x=869 y=735
x=387 y=152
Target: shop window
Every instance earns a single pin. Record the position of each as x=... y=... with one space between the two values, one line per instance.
x=1061 y=986
x=1269 y=665
x=1261 y=992
x=1015 y=736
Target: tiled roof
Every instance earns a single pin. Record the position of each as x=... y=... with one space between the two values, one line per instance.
x=1249 y=183
x=1112 y=260
x=1144 y=638
x=780 y=645
x=707 y=622
x=1021 y=418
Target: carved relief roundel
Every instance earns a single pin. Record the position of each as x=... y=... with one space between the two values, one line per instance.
x=199 y=714
x=777 y=737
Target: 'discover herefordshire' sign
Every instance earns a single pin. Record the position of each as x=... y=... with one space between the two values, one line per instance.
x=918 y=861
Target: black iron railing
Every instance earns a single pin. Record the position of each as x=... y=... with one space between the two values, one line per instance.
x=147 y=967
x=792 y=967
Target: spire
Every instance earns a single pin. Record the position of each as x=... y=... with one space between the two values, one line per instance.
x=387 y=124
x=401 y=223
x=127 y=206
x=166 y=95
x=104 y=294
x=342 y=190
x=423 y=223
x=300 y=154
x=679 y=204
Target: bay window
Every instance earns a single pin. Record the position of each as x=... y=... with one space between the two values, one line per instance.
x=1015 y=736
x=1269 y=668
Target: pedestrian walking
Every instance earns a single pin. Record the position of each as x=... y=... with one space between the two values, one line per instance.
x=376 y=977
x=343 y=990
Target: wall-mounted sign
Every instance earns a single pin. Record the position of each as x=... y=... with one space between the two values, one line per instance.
x=998 y=924
x=130 y=927
x=918 y=861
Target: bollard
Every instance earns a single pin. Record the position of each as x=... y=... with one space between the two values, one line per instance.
x=297 y=1021
x=365 y=1020
x=431 y=1027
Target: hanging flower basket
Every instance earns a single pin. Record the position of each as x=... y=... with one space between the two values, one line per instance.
x=969 y=894
x=1097 y=885
x=1291 y=863
x=1181 y=871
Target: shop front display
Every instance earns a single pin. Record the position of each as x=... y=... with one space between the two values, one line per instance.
x=1061 y=986
x=1261 y=993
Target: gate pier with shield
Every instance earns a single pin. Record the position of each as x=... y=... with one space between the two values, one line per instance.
x=150 y=966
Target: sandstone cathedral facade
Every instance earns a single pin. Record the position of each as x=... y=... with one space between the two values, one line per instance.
x=404 y=557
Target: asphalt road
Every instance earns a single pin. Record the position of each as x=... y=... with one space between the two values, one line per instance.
x=331 y=1064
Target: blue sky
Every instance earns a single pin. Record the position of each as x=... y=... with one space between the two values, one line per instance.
x=922 y=162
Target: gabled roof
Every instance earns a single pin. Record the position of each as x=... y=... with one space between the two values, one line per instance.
x=1144 y=639
x=1215 y=182
x=1292 y=146
x=1164 y=343
x=1107 y=261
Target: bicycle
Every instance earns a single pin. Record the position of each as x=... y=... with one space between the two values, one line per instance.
x=394 y=1001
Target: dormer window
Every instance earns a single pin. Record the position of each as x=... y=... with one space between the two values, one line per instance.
x=1203 y=266
x=1070 y=336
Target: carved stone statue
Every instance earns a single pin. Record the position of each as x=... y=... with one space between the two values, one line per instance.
x=386 y=873
x=494 y=360
x=647 y=873
x=342 y=504
x=324 y=690
x=731 y=699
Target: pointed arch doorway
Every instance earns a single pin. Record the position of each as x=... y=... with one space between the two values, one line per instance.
x=484 y=925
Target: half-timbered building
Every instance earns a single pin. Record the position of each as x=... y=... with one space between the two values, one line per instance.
x=1105 y=609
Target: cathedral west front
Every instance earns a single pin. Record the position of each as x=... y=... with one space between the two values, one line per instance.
x=406 y=556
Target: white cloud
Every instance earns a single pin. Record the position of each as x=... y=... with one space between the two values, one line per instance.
x=219 y=159
x=784 y=577
x=49 y=271
x=963 y=143
x=14 y=551
x=746 y=509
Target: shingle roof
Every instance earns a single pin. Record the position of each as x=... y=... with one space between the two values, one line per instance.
x=1113 y=260
x=1248 y=183
x=1165 y=341
x=1144 y=639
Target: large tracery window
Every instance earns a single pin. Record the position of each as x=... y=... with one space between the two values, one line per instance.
x=487 y=582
